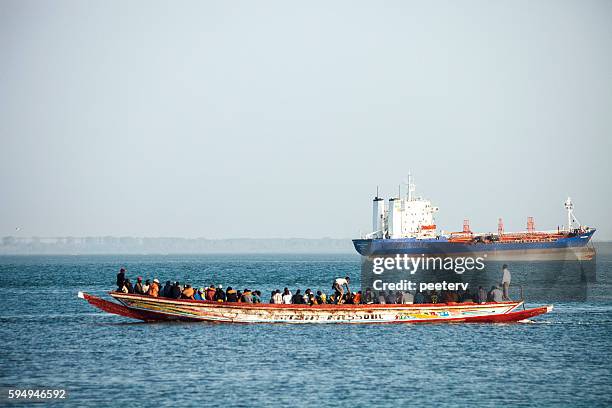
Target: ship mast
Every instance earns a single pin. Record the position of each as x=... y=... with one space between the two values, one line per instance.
x=569 y=206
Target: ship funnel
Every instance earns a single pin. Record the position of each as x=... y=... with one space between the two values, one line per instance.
x=378 y=217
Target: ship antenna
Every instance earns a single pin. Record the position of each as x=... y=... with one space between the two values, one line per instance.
x=411 y=187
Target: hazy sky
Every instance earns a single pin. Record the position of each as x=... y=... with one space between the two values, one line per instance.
x=278 y=118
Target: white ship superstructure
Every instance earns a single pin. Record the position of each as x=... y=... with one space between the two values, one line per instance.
x=408 y=217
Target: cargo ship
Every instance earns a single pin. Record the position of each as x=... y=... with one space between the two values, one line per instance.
x=406 y=225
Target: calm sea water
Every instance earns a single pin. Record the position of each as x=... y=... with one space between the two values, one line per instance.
x=52 y=339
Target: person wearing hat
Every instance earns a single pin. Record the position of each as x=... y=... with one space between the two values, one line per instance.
x=154 y=288
x=200 y=294
x=138 y=289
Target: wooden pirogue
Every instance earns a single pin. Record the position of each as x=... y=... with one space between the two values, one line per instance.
x=150 y=309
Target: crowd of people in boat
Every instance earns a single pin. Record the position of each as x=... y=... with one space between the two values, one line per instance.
x=340 y=294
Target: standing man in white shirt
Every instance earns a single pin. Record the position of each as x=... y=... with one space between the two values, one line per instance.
x=506 y=278
x=339 y=284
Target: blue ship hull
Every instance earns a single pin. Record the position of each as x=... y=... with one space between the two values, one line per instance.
x=561 y=248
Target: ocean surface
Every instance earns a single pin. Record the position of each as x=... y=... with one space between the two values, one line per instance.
x=52 y=339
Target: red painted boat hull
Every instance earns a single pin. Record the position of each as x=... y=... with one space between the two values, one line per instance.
x=151 y=309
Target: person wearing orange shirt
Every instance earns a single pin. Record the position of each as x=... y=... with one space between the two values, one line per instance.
x=154 y=288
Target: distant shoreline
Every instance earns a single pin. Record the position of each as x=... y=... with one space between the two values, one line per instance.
x=170 y=246
x=184 y=246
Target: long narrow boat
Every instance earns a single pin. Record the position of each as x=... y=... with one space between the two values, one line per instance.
x=150 y=309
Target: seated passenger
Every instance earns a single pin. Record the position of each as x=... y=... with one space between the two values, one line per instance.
x=434 y=297
x=467 y=297
x=298 y=299
x=368 y=297
x=231 y=295
x=239 y=296
x=307 y=296
x=419 y=298
x=146 y=286
x=357 y=298
x=277 y=298
x=220 y=294
x=167 y=290
x=460 y=294
x=399 y=297
x=200 y=294
x=287 y=296
x=154 y=288
x=138 y=289
x=382 y=297
x=256 y=296
x=123 y=289
x=247 y=296
x=128 y=285
x=321 y=298
x=481 y=295
x=490 y=294
x=188 y=292
x=211 y=291
x=390 y=299
x=497 y=294
x=408 y=298
x=449 y=297
x=176 y=291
